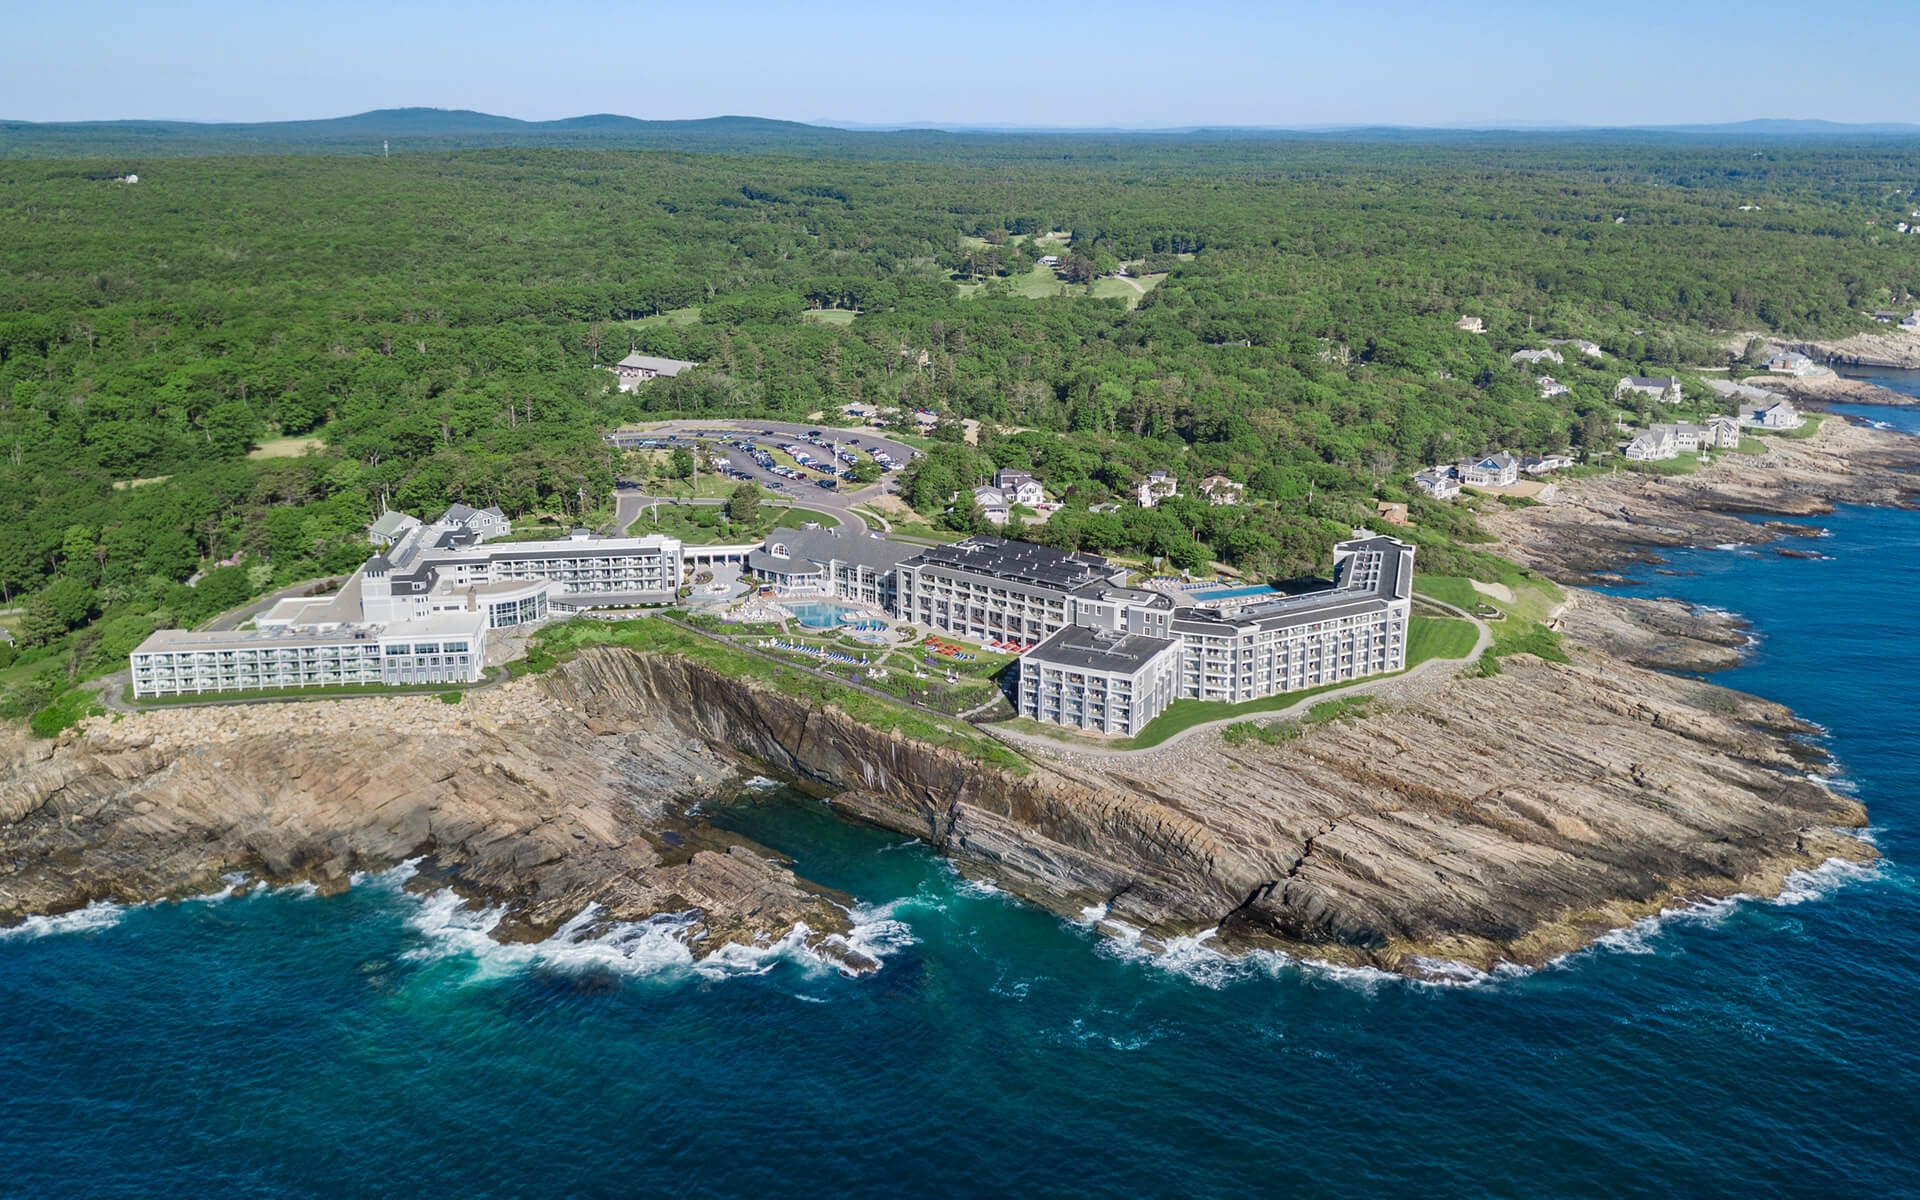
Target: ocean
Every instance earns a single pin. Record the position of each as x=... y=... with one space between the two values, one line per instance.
x=284 y=1044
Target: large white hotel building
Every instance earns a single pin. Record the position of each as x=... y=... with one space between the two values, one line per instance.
x=1110 y=658
x=1101 y=656
x=418 y=612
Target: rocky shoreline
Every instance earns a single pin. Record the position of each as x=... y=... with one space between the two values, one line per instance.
x=1599 y=524
x=1464 y=819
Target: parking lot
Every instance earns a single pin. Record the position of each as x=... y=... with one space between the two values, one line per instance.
x=811 y=463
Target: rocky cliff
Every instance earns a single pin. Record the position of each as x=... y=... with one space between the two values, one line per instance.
x=1473 y=819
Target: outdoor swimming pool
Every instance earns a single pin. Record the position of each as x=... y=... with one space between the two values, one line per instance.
x=1235 y=593
x=820 y=614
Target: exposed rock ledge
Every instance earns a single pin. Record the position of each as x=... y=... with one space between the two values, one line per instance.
x=1507 y=818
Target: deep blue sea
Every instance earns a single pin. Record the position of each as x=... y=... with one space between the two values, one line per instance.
x=286 y=1045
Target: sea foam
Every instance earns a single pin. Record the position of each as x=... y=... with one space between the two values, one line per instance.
x=100 y=914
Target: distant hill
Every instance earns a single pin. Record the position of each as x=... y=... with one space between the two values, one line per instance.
x=417 y=130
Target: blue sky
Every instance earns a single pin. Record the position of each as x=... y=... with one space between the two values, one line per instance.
x=1123 y=63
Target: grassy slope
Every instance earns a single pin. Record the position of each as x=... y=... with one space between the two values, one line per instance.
x=561 y=642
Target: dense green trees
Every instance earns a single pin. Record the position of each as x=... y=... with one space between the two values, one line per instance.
x=435 y=322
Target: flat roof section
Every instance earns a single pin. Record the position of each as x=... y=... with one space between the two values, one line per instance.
x=1079 y=648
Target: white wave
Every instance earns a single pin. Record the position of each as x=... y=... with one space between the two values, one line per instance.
x=1730 y=546
x=661 y=945
x=393 y=878
x=1824 y=880
x=100 y=914
x=1194 y=960
x=1093 y=915
x=760 y=783
x=234 y=881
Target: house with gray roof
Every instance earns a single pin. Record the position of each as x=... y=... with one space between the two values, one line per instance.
x=1492 y=470
x=1536 y=357
x=1590 y=349
x=390 y=526
x=636 y=369
x=1665 y=389
x=1772 y=414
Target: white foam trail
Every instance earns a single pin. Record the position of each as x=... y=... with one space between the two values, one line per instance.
x=1824 y=880
x=1093 y=915
x=760 y=783
x=234 y=880
x=1191 y=958
x=100 y=914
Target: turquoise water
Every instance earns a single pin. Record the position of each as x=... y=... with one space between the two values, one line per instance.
x=819 y=614
x=287 y=1045
x=1234 y=593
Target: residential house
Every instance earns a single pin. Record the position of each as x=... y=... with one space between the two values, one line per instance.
x=1440 y=483
x=479 y=523
x=1049 y=260
x=1218 y=489
x=1020 y=487
x=1471 y=324
x=1542 y=464
x=1653 y=445
x=1536 y=357
x=1789 y=363
x=1493 y=470
x=993 y=502
x=1886 y=316
x=635 y=369
x=1911 y=320
x=1590 y=349
x=390 y=527
x=1723 y=433
x=1551 y=387
x=1666 y=390
x=1774 y=414
x=1157 y=486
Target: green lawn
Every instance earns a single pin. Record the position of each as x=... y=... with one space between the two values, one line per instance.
x=677 y=316
x=829 y=316
x=702 y=524
x=1448 y=589
x=1439 y=637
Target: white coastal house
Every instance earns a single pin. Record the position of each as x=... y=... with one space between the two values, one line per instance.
x=1773 y=414
x=993 y=502
x=1664 y=389
x=636 y=369
x=1439 y=483
x=1536 y=357
x=1157 y=486
x=1218 y=489
x=1543 y=464
x=1551 y=387
x=1492 y=470
x=1019 y=487
x=1471 y=324
x=1911 y=321
x=1789 y=363
x=1589 y=349
x=1653 y=445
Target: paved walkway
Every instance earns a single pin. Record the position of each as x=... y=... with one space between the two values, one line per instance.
x=1168 y=751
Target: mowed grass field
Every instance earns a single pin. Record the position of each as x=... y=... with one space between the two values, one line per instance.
x=677 y=316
